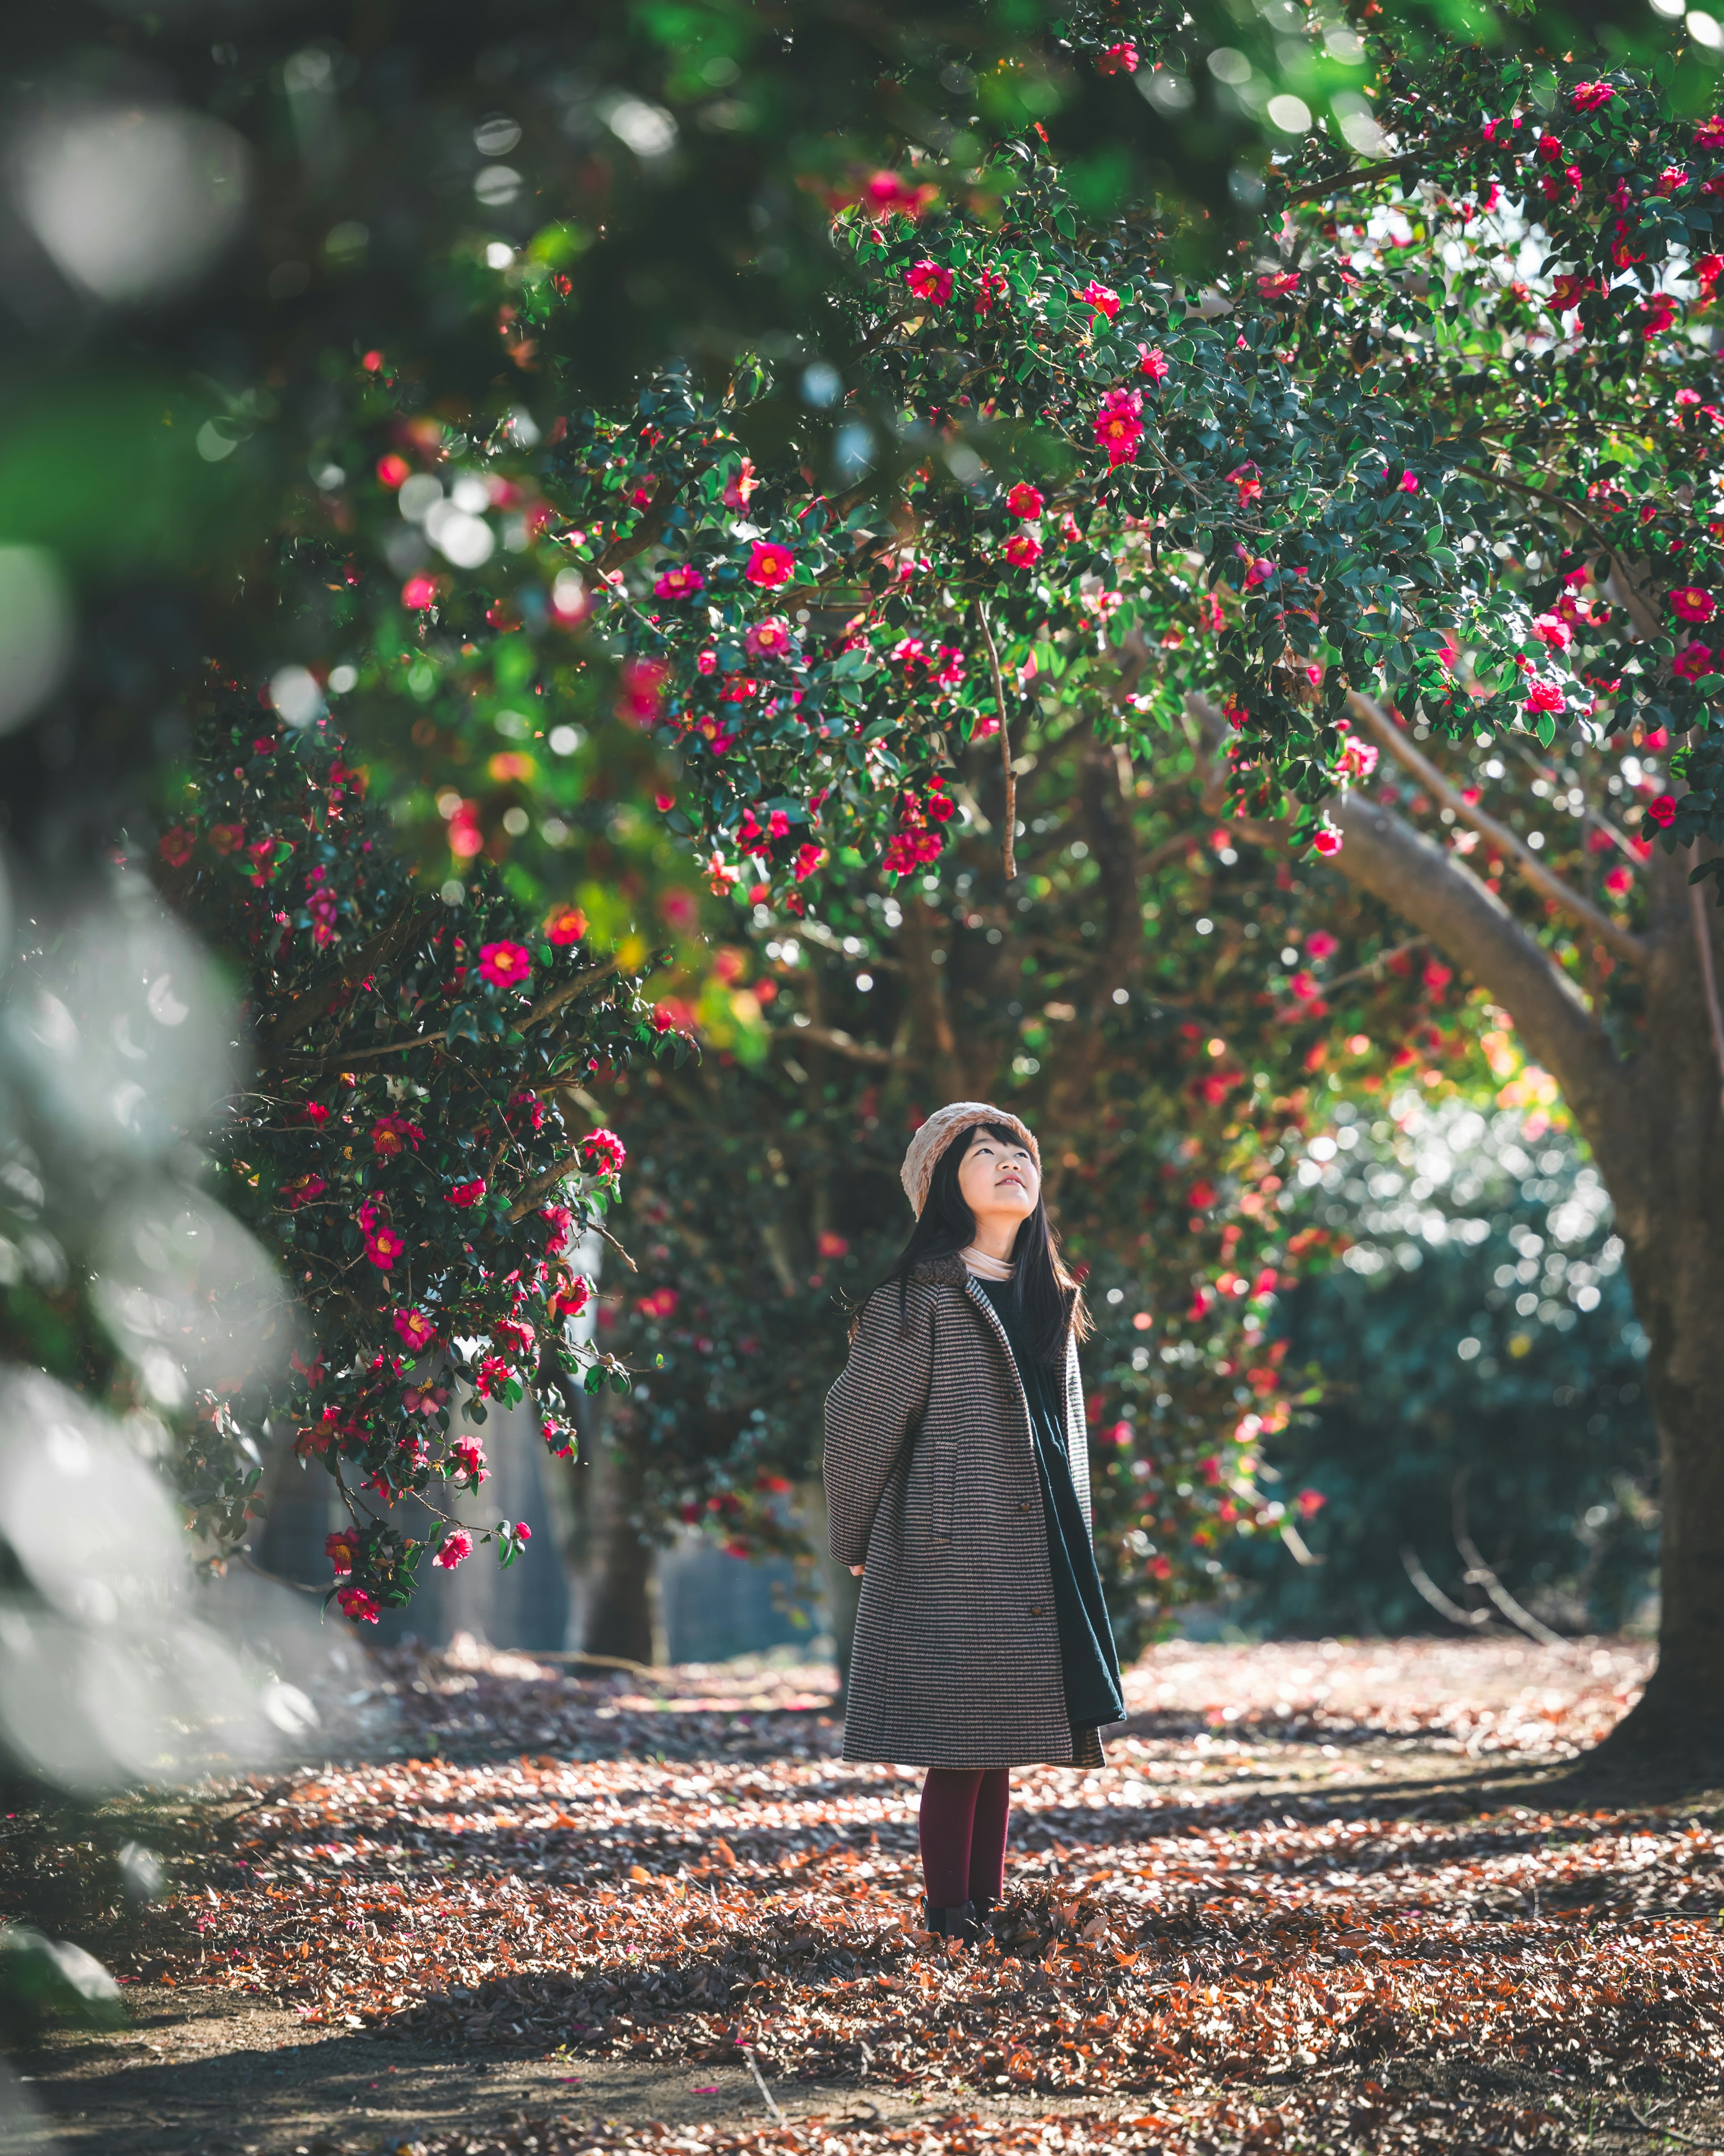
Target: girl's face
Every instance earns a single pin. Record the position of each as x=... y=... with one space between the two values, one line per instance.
x=998 y=1178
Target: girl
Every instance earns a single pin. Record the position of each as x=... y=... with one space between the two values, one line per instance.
x=957 y=1481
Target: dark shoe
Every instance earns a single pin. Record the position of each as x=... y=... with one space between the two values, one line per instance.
x=984 y=1908
x=956 y=1922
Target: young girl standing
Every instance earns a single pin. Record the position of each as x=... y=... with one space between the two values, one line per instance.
x=958 y=1482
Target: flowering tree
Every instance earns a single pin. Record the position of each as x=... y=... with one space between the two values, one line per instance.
x=410 y=1145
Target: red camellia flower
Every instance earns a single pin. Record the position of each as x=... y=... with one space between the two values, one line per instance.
x=604 y=1152
x=393 y=471
x=456 y=1545
x=1691 y=661
x=1545 y=695
x=770 y=564
x=1247 y=480
x=1023 y=501
x=771 y=639
x=175 y=847
x=1619 y=881
x=342 y=1548
x=559 y=1225
x=1151 y=362
x=419 y=593
x=1309 y=1503
x=358 y=1605
x=681 y=582
x=1662 y=812
x=1327 y=843
x=505 y=965
x=640 y=690
x=1102 y=297
x=991 y=286
x=566 y=925
x=1319 y=945
x=468 y=1193
x=391 y=1135
x=469 y=1455
x=1659 y=313
x=1693 y=604
x=1588 y=96
x=1278 y=283
x=1709 y=134
x=1022 y=550
x=809 y=858
x=1118 y=59
x=383 y=1246
x=928 y=280
x=303 y=1189
x=1119 y=426
x=415 y=1328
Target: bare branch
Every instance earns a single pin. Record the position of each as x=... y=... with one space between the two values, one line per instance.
x=1434 y=1595
x=843 y=1044
x=1008 y=865
x=1544 y=881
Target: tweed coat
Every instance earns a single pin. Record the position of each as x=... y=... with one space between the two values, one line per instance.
x=930 y=1478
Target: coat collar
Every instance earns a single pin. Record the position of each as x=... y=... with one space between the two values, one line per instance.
x=950 y=1269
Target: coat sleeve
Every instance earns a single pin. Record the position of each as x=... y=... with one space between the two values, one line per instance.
x=877 y=1403
x=1077 y=1433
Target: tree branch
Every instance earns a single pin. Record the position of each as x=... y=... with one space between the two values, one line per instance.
x=1399 y=865
x=1008 y=865
x=311 y=1004
x=1544 y=881
x=842 y=1043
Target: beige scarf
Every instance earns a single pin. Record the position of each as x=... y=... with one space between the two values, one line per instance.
x=978 y=1261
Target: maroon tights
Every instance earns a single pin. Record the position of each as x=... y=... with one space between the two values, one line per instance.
x=963 y=1834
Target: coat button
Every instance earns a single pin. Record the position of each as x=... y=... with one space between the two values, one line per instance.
x=1036 y=1609
x=1025 y=1507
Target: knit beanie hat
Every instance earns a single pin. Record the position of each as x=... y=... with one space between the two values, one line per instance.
x=938 y=1132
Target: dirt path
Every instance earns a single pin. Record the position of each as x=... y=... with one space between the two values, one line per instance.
x=1305 y=1876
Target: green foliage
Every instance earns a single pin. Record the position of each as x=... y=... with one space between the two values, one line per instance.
x=1485 y=1376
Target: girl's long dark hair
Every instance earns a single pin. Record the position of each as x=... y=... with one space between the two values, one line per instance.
x=1042 y=1286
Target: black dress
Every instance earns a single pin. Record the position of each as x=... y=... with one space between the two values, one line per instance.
x=1088 y=1657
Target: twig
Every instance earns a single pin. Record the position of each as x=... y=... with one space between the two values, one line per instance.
x=1708 y=971
x=1377 y=964
x=1670 y=2133
x=1434 y=1595
x=1007 y=860
x=1479 y=1574
x=760 y=2083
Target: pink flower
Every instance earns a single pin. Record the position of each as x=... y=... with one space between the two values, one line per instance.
x=927 y=281
x=505 y=965
x=1659 y=312
x=1358 y=759
x=1545 y=695
x=565 y=924
x=990 y=286
x=1250 y=485
x=1693 y=660
x=559 y=1223
x=383 y=1246
x=1151 y=362
x=770 y=638
x=415 y=1328
x=456 y=1545
x=1409 y=482
x=419 y=593
x=302 y=1190
x=1671 y=180
x=809 y=858
x=1118 y=426
x=1118 y=59
x=391 y=1135
x=1309 y=1503
x=1709 y=134
x=1550 y=628
x=737 y=489
x=1319 y=945
x=1662 y=812
x=342 y=1548
x=1259 y=572
x=1101 y=297
x=358 y=1605
x=604 y=1152
x=469 y=1455
x=770 y=564
x=175 y=847
x=1023 y=501
x=1277 y=284
x=681 y=582
x=1022 y=550
x=468 y=1193
x=1692 y=604
x=1588 y=96
x=1327 y=842
x=1619 y=881
x=640 y=696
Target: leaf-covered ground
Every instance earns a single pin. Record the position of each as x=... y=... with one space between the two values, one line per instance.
x=1318 y=1898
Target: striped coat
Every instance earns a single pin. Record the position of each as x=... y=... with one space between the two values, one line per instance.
x=930 y=1477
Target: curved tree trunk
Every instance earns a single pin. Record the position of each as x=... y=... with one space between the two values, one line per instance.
x=1654 y=1116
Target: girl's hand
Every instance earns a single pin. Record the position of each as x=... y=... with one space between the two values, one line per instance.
x=858 y=1570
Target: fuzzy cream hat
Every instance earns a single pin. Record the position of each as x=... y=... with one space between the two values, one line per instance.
x=938 y=1132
